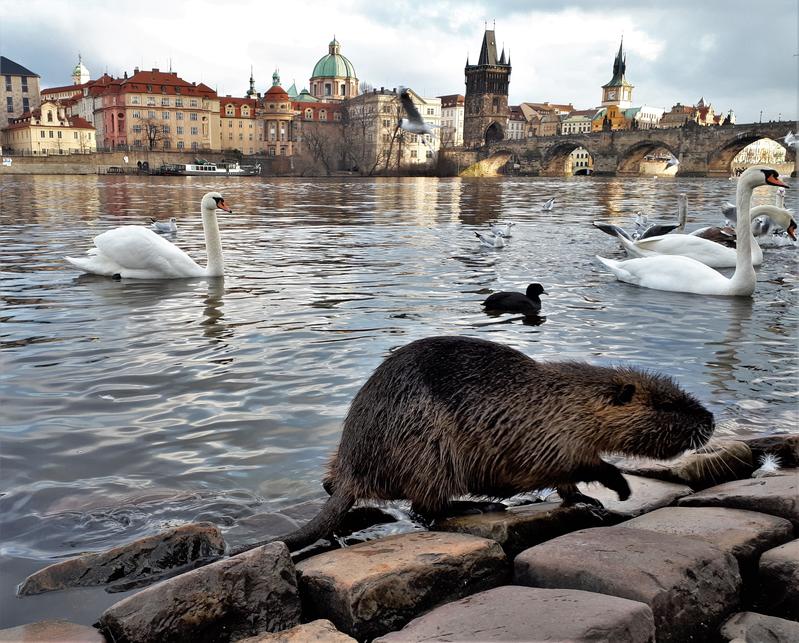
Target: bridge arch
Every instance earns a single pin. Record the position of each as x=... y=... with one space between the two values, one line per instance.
x=629 y=161
x=494 y=133
x=720 y=160
x=556 y=156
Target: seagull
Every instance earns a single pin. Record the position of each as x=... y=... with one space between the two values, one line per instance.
x=414 y=122
x=791 y=139
x=164 y=227
x=495 y=241
x=672 y=162
x=502 y=229
x=549 y=205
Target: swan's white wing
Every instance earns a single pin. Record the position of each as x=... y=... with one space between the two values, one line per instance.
x=708 y=252
x=139 y=250
x=675 y=274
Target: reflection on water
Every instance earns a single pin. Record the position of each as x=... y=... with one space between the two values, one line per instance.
x=131 y=405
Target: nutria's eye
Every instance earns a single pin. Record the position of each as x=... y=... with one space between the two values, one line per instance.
x=623 y=394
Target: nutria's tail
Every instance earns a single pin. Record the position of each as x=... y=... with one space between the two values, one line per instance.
x=320 y=526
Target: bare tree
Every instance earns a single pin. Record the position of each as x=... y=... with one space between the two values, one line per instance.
x=152 y=132
x=322 y=143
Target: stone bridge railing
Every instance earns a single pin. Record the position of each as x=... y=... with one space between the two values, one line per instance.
x=702 y=151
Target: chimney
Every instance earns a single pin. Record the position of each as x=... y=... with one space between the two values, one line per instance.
x=135 y=70
x=155 y=68
x=126 y=74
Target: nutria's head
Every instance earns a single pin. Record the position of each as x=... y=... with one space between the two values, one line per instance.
x=649 y=415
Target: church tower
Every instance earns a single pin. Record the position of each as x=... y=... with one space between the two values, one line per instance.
x=486 y=114
x=618 y=91
x=80 y=74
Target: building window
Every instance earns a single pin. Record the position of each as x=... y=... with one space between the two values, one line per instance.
x=49 y=117
x=151 y=101
x=150 y=88
x=230 y=124
x=230 y=110
x=337 y=116
x=151 y=114
x=194 y=145
x=8 y=83
x=308 y=114
x=50 y=133
x=137 y=129
x=343 y=89
x=165 y=129
x=179 y=129
x=230 y=136
x=322 y=115
x=24 y=84
x=193 y=102
x=165 y=116
x=430 y=111
x=74 y=135
x=194 y=131
x=241 y=124
x=192 y=116
x=328 y=89
x=245 y=111
x=413 y=154
x=136 y=114
x=25 y=104
x=178 y=101
x=167 y=144
x=164 y=102
x=42 y=133
x=134 y=100
x=180 y=145
x=9 y=104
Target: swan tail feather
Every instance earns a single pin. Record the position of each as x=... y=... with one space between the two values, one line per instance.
x=615 y=268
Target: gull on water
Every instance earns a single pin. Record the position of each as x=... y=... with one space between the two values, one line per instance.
x=502 y=229
x=549 y=205
x=493 y=241
x=164 y=227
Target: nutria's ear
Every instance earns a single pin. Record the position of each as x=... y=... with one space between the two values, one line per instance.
x=623 y=394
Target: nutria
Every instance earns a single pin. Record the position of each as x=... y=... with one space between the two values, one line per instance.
x=448 y=416
x=528 y=303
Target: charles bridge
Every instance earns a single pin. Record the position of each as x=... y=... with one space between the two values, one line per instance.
x=701 y=151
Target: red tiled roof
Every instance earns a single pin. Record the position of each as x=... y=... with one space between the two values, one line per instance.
x=277 y=92
x=451 y=100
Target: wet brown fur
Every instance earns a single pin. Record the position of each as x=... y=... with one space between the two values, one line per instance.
x=444 y=417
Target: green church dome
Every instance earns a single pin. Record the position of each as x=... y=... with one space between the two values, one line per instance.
x=334 y=65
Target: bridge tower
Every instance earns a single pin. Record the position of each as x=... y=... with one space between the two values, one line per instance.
x=618 y=91
x=486 y=115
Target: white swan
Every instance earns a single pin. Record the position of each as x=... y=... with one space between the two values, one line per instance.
x=709 y=252
x=137 y=252
x=683 y=274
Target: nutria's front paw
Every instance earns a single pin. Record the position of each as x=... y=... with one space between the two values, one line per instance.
x=623 y=492
x=576 y=497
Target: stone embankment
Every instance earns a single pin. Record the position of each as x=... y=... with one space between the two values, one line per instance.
x=706 y=549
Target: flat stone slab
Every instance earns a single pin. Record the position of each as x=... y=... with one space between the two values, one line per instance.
x=51 y=631
x=744 y=534
x=778 y=577
x=758 y=628
x=690 y=585
x=717 y=462
x=137 y=560
x=513 y=613
x=378 y=586
x=232 y=598
x=647 y=494
x=524 y=526
x=776 y=495
x=319 y=630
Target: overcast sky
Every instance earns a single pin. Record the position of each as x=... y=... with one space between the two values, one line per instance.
x=735 y=53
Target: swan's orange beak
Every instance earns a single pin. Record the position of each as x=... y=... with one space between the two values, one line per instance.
x=220 y=205
x=773 y=180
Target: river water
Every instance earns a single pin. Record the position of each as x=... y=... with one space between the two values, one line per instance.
x=129 y=406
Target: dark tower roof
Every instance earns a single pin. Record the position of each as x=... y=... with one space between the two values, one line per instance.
x=488 y=52
x=619 y=69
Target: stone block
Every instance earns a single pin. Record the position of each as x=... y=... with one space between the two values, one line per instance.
x=778 y=581
x=51 y=631
x=758 y=628
x=235 y=597
x=777 y=495
x=135 y=561
x=319 y=630
x=378 y=586
x=524 y=526
x=744 y=534
x=513 y=613
x=690 y=585
x=647 y=494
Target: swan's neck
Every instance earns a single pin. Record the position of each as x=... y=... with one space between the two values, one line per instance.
x=682 y=212
x=780 y=199
x=744 y=275
x=213 y=244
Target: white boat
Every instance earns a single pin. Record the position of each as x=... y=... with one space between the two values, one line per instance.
x=206 y=168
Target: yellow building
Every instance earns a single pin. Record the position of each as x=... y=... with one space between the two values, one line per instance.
x=238 y=126
x=48 y=130
x=609 y=118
